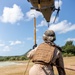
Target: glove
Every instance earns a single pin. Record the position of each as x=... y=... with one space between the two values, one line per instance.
x=34 y=46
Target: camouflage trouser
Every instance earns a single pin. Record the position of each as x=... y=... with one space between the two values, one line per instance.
x=38 y=69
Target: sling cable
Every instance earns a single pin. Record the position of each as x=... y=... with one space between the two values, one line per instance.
x=35 y=45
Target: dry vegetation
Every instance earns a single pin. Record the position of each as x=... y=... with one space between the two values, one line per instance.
x=20 y=69
x=69 y=62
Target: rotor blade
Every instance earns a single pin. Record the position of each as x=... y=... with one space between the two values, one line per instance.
x=58 y=3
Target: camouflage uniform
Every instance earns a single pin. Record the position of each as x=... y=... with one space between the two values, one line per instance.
x=47 y=68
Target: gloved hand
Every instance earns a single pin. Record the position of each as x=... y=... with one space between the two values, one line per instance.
x=34 y=46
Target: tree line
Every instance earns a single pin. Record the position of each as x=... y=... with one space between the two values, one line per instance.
x=13 y=58
x=67 y=50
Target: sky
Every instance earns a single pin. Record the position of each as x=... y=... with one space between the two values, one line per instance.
x=17 y=25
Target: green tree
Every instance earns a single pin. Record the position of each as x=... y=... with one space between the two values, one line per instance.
x=68 y=43
x=69 y=48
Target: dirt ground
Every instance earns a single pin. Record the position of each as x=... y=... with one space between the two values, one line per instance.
x=69 y=62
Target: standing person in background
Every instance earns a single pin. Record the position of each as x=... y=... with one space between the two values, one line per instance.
x=46 y=55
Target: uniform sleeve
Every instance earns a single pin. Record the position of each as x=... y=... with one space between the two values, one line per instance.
x=60 y=65
x=31 y=53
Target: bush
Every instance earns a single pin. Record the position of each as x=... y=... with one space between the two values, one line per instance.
x=68 y=49
x=68 y=54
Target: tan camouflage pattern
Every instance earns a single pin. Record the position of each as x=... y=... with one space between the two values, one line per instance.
x=39 y=69
x=44 y=53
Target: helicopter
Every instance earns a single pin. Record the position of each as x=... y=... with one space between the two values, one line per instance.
x=46 y=7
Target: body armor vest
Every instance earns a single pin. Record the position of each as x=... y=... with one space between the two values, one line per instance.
x=44 y=53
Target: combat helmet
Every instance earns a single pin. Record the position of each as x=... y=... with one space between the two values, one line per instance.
x=49 y=36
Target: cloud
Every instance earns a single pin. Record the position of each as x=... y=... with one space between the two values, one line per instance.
x=10 y=45
x=53 y=18
x=31 y=14
x=58 y=4
x=6 y=48
x=43 y=23
x=1 y=44
x=15 y=42
x=70 y=39
x=62 y=27
x=29 y=38
x=11 y=15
